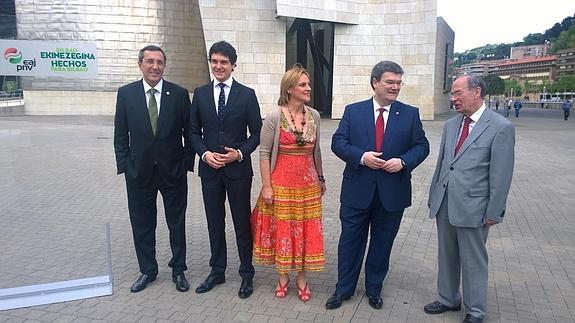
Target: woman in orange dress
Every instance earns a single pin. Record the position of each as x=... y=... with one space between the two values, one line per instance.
x=286 y=222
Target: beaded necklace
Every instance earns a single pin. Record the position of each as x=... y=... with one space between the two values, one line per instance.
x=299 y=137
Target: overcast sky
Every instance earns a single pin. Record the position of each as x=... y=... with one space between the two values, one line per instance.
x=478 y=23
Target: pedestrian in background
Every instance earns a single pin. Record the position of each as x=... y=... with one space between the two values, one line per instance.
x=567 y=105
x=517 y=105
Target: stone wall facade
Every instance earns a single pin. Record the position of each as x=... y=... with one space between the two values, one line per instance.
x=119 y=29
x=366 y=32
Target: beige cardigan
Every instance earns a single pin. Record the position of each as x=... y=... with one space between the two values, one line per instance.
x=270 y=136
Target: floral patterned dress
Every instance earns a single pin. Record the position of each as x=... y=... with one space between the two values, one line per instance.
x=288 y=232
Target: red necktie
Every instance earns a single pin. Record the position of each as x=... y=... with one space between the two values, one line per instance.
x=379 y=130
x=464 y=134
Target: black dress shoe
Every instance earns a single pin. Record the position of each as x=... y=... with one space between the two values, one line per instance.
x=182 y=284
x=210 y=282
x=246 y=288
x=141 y=283
x=471 y=319
x=375 y=302
x=437 y=308
x=335 y=301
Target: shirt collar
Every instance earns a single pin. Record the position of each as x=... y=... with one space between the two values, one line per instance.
x=376 y=106
x=158 y=86
x=475 y=116
x=227 y=82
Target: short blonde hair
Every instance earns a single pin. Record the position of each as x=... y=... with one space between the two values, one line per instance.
x=289 y=80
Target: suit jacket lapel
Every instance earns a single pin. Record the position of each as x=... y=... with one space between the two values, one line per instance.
x=141 y=106
x=232 y=99
x=479 y=127
x=393 y=119
x=452 y=135
x=369 y=121
x=165 y=104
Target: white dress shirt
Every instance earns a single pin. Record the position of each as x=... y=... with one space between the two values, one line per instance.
x=157 y=94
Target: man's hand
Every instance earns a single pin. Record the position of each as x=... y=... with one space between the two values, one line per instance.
x=393 y=165
x=215 y=160
x=489 y=222
x=371 y=159
x=230 y=156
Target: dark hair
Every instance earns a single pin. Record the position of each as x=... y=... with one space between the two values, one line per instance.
x=150 y=48
x=474 y=81
x=224 y=48
x=382 y=67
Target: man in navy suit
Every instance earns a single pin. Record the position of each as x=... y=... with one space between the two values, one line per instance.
x=151 y=119
x=381 y=141
x=222 y=113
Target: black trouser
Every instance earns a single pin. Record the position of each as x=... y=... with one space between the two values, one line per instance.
x=143 y=217
x=238 y=191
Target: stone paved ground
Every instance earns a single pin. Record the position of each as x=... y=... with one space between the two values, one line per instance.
x=58 y=188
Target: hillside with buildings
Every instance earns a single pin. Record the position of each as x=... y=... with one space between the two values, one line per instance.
x=541 y=67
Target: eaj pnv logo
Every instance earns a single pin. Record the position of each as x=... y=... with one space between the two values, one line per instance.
x=13 y=55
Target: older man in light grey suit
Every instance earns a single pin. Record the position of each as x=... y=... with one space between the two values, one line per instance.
x=467 y=195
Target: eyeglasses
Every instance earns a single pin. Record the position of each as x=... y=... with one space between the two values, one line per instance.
x=391 y=82
x=457 y=94
x=154 y=61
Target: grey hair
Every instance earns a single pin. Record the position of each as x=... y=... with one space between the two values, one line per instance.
x=474 y=81
x=383 y=67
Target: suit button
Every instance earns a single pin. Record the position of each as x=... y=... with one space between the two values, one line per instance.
x=450 y=168
x=155 y=162
x=221 y=132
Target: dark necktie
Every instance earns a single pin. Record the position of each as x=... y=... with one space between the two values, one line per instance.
x=464 y=134
x=153 y=110
x=379 y=130
x=221 y=101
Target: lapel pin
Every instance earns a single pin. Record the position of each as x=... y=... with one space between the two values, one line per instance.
x=168 y=93
x=397 y=112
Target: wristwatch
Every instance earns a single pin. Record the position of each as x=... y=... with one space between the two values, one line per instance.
x=403 y=163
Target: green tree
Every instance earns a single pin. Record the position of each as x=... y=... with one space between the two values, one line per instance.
x=534 y=39
x=564 y=84
x=513 y=84
x=495 y=85
x=565 y=40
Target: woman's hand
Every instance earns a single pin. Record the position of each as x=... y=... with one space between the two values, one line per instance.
x=267 y=194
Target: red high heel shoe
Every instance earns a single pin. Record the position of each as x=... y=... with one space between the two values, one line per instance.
x=282 y=290
x=303 y=293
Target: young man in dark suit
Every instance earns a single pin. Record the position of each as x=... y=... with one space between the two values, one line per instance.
x=222 y=113
x=381 y=141
x=152 y=117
